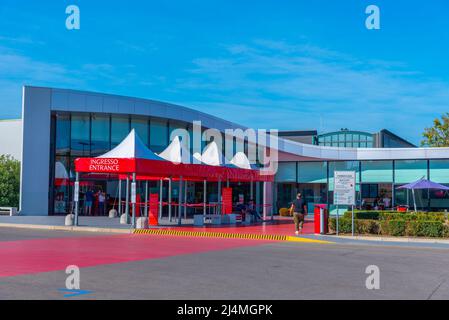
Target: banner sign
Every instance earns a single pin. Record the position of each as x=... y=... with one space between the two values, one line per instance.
x=344 y=188
x=227 y=200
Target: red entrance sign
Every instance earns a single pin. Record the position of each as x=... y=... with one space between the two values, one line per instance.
x=153 y=216
x=227 y=200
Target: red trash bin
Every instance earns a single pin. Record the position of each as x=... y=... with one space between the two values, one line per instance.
x=320 y=213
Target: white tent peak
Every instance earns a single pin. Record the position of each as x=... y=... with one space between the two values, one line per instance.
x=241 y=160
x=211 y=155
x=176 y=152
x=131 y=147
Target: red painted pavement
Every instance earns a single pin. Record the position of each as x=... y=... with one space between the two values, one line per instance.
x=281 y=226
x=44 y=255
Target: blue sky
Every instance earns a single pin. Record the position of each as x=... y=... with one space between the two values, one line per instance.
x=267 y=64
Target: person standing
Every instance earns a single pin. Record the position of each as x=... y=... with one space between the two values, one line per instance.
x=299 y=208
x=88 y=199
x=101 y=201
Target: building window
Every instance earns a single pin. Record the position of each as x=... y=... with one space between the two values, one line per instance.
x=119 y=129
x=377 y=171
x=407 y=171
x=439 y=171
x=286 y=172
x=80 y=135
x=158 y=135
x=141 y=127
x=312 y=172
x=100 y=134
x=62 y=134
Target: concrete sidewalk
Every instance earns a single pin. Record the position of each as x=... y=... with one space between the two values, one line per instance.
x=89 y=224
x=383 y=241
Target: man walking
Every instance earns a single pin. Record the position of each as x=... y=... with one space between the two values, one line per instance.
x=299 y=208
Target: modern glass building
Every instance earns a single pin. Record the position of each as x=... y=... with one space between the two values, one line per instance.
x=376 y=180
x=61 y=125
x=359 y=139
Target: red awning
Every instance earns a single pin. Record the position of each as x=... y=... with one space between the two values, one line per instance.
x=132 y=156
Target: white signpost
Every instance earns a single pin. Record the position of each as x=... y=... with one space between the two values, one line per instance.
x=76 y=191
x=344 y=192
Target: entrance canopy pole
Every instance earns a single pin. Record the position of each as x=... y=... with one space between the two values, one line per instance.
x=127 y=199
x=251 y=192
x=160 y=197
x=169 y=198
x=204 y=198
x=146 y=199
x=257 y=208
x=119 y=197
x=76 y=199
x=134 y=203
x=185 y=200
x=219 y=196
x=180 y=200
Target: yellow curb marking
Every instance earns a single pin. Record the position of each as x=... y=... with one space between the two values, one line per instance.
x=204 y=234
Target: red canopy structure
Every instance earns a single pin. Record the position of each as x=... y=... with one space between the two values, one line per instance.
x=132 y=157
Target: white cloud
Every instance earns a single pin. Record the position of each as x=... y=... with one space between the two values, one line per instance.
x=290 y=86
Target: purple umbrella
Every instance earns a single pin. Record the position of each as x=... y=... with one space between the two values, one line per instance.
x=422 y=184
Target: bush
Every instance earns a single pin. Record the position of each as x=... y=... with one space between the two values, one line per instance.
x=400 y=227
x=411 y=216
x=371 y=215
x=365 y=226
x=360 y=226
x=396 y=227
x=344 y=225
x=425 y=229
x=445 y=231
x=9 y=182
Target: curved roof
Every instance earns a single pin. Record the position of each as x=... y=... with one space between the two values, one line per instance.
x=81 y=101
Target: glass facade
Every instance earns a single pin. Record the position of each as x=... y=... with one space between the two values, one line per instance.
x=100 y=134
x=346 y=139
x=158 y=134
x=89 y=135
x=376 y=183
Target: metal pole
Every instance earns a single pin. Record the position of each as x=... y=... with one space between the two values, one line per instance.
x=257 y=207
x=337 y=222
x=204 y=199
x=251 y=195
x=185 y=200
x=127 y=199
x=169 y=198
x=76 y=198
x=146 y=199
x=414 y=199
x=180 y=200
x=352 y=218
x=134 y=203
x=219 y=197
x=160 y=198
x=119 y=197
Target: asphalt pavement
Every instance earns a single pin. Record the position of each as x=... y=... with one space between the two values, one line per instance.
x=238 y=270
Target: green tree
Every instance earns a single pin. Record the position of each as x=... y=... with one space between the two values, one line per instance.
x=438 y=135
x=9 y=181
